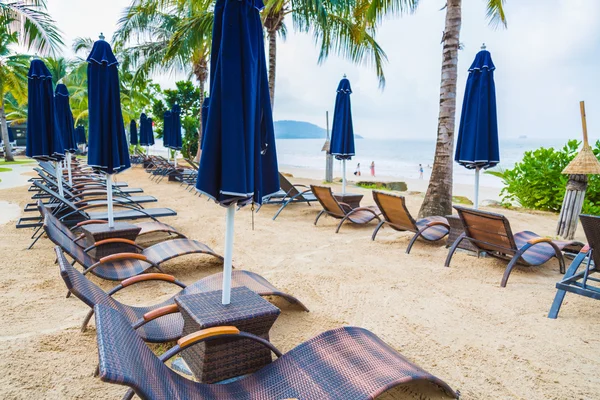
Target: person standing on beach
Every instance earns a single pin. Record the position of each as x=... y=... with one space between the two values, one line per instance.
x=420 y=171
x=357 y=170
x=373 y=169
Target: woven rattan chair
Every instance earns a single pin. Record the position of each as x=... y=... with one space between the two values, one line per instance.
x=121 y=266
x=146 y=319
x=582 y=283
x=344 y=363
x=491 y=233
x=396 y=215
x=338 y=210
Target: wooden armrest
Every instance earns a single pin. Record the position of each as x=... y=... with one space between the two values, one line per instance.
x=585 y=249
x=206 y=333
x=160 y=312
x=434 y=223
x=123 y=256
x=90 y=221
x=539 y=240
x=115 y=240
x=78 y=238
x=148 y=277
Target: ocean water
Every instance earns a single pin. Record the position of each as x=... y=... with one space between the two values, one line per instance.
x=400 y=158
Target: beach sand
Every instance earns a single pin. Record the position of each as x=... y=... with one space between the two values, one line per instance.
x=457 y=323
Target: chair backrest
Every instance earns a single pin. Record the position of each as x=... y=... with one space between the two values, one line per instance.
x=126 y=360
x=52 y=227
x=84 y=289
x=57 y=196
x=393 y=208
x=328 y=202
x=51 y=218
x=287 y=186
x=490 y=231
x=591 y=228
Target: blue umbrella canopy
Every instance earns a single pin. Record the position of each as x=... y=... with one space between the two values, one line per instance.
x=175 y=137
x=133 y=134
x=167 y=131
x=80 y=135
x=477 y=144
x=64 y=118
x=342 y=132
x=144 y=130
x=150 y=131
x=205 y=105
x=43 y=139
x=108 y=149
x=239 y=161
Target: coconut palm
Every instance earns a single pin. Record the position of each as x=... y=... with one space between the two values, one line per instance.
x=35 y=27
x=13 y=81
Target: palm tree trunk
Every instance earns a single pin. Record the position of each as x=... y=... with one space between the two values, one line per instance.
x=197 y=157
x=272 y=64
x=4 y=129
x=438 y=199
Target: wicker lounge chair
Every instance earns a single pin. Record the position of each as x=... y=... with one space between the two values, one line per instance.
x=396 y=215
x=338 y=210
x=491 y=233
x=582 y=283
x=123 y=265
x=170 y=327
x=290 y=194
x=344 y=363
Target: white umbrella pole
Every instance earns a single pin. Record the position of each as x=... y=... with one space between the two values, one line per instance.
x=59 y=178
x=175 y=159
x=109 y=200
x=147 y=150
x=69 y=169
x=476 y=188
x=227 y=267
x=344 y=176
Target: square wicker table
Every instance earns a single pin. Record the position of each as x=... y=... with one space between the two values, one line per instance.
x=352 y=199
x=96 y=232
x=457 y=229
x=220 y=359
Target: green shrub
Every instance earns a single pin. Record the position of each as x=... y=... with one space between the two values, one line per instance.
x=537 y=181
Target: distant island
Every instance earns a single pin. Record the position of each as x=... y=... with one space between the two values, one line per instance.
x=300 y=130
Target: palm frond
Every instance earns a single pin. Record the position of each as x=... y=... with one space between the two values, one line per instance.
x=495 y=13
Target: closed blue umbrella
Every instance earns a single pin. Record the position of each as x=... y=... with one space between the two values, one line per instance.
x=133 y=134
x=144 y=141
x=11 y=136
x=175 y=139
x=477 y=144
x=43 y=138
x=205 y=105
x=150 y=131
x=80 y=135
x=107 y=150
x=239 y=161
x=65 y=123
x=167 y=122
x=342 y=132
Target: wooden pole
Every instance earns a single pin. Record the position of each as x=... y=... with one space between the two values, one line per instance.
x=583 y=122
x=328 y=156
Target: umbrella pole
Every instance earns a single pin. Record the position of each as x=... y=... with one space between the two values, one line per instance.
x=109 y=200
x=344 y=176
x=59 y=178
x=69 y=169
x=227 y=267
x=476 y=188
x=175 y=159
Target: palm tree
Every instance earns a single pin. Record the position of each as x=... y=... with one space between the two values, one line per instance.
x=338 y=26
x=438 y=199
x=35 y=27
x=13 y=81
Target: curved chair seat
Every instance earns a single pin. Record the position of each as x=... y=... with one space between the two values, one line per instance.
x=344 y=363
x=168 y=327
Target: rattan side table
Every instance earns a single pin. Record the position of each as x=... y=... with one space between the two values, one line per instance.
x=220 y=359
x=96 y=232
x=352 y=199
x=457 y=229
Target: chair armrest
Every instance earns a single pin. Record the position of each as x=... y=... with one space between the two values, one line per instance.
x=434 y=223
x=144 y=278
x=345 y=207
x=160 y=312
x=112 y=241
x=539 y=240
x=118 y=257
x=90 y=221
x=198 y=336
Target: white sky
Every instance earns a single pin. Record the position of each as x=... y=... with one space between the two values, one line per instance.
x=546 y=61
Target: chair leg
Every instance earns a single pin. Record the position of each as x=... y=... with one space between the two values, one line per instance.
x=453 y=249
x=35 y=240
x=341 y=223
x=510 y=267
x=281 y=209
x=319 y=216
x=560 y=294
x=86 y=320
x=412 y=241
x=379 y=226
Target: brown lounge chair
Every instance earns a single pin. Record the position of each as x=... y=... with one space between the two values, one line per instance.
x=338 y=210
x=491 y=233
x=396 y=215
x=344 y=363
x=160 y=322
